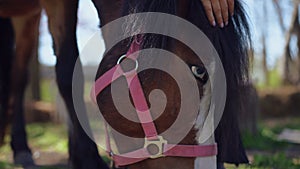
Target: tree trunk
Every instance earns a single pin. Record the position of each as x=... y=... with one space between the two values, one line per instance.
x=287 y=54
x=297 y=29
x=264 y=50
x=298 y=44
x=264 y=64
x=280 y=16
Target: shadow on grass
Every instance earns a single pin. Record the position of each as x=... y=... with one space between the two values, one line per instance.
x=268 y=152
x=6 y=165
x=267 y=136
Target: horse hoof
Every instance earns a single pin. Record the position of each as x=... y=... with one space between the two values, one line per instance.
x=24 y=159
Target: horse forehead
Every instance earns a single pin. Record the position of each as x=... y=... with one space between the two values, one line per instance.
x=185 y=53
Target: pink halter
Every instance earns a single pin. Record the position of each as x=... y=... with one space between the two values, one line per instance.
x=146 y=120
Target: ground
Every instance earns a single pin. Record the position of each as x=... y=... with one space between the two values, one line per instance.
x=49 y=143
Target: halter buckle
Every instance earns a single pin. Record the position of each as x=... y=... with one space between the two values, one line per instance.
x=159 y=143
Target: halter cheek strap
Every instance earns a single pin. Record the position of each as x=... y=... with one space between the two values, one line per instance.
x=145 y=118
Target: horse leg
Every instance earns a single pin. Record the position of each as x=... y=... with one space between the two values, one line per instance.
x=62 y=18
x=7 y=52
x=26 y=36
x=220 y=165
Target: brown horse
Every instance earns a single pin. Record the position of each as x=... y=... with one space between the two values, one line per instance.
x=62 y=24
x=19 y=40
x=231 y=44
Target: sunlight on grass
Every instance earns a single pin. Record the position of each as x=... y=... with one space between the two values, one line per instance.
x=266 y=140
x=275 y=80
x=4 y=165
x=273 y=161
x=48 y=90
x=45 y=137
x=51 y=137
x=231 y=166
x=5 y=150
x=292 y=123
x=277 y=160
x=48 y=137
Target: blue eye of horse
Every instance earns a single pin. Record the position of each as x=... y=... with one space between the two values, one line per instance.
x=200 y=73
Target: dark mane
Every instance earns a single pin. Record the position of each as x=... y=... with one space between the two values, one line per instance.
x=232 y=44
x=138 y=6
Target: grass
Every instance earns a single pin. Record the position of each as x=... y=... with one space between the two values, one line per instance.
x=48 y=137
x=275 y=161
x=266 y=141
x=271 y=152
x=275 y=80
x=266 y=138
x=43 y=137
x=47 y=88
x=5 y=165
x=278 y=161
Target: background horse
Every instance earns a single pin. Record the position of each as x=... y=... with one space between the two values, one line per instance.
x=19 y=40
x=231 y=43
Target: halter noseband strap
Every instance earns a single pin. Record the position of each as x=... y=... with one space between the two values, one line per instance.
x=144 y=115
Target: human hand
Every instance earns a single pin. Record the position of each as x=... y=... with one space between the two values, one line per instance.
x=218 y=11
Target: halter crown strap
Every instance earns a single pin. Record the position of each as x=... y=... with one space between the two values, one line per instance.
x=135 y=88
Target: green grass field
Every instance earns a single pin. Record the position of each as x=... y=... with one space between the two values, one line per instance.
x=271 y=154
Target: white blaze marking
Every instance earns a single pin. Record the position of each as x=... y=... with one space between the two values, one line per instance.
x=205 y=162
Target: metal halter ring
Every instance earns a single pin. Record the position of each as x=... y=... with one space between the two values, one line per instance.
x=159 y=143
x=130 y=71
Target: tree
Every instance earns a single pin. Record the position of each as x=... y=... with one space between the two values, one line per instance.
x=294 y=29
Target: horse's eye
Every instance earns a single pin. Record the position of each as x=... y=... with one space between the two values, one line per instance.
x=200 y=73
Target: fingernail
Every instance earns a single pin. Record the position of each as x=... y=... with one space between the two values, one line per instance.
x=214 y=23
x=226 y=23
x=222 y=25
